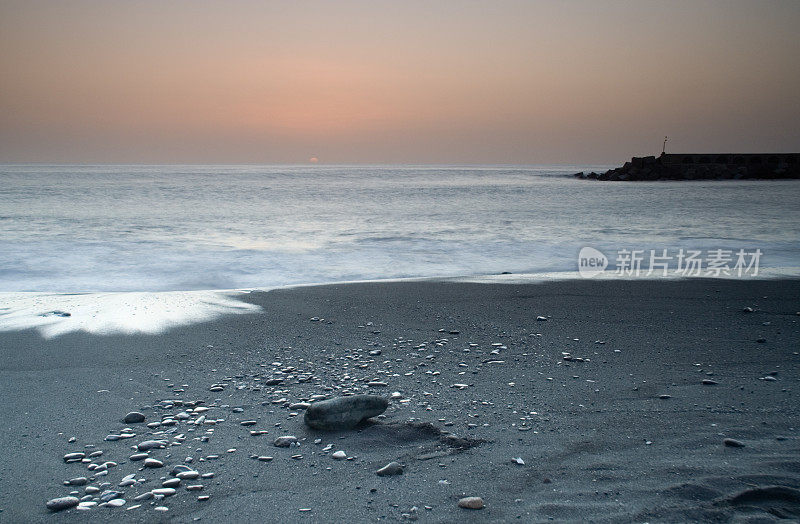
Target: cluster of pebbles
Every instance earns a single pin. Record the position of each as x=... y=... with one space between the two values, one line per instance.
x=94 y=488
x=138 y=467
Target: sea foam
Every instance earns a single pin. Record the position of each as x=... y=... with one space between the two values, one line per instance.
x=116 y=313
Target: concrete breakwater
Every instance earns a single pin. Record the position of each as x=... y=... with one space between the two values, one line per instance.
x=703 y=166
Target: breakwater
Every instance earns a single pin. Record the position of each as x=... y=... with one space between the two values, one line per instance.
x=703 y=166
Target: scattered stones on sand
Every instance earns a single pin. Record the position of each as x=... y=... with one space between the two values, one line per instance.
x=733 y=443
x=285 y=441
x=134 y=417
x=344 y=412
x=471 y=503
x=62 y=503
x=392 y=468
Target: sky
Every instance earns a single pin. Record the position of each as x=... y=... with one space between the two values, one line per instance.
x=411 y=82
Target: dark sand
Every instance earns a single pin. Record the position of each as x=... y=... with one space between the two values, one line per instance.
x=599 y=442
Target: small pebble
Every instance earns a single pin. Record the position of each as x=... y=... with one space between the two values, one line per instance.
x=285 y=441
x=62 y=503
x=471 y=503
x=134 y=417
x=392 y=468
x=153 y=463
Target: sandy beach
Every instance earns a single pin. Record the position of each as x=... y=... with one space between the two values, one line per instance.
x=562 y=401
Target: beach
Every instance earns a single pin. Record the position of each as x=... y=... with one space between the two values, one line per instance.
x=559 y=401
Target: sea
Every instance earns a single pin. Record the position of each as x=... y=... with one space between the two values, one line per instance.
x=84 y=229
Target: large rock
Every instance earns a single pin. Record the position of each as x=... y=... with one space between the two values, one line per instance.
x=344 y=412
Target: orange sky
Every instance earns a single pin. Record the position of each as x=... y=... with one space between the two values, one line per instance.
x=395 y=81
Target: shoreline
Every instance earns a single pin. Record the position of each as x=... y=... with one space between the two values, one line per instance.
x=154 y=312
x=583 y=441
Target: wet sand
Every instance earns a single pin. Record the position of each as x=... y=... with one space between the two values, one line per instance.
x=619 y=428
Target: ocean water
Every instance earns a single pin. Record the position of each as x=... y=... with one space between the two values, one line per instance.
x=172 y=228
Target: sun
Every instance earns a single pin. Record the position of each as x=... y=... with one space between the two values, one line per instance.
x=313 y=160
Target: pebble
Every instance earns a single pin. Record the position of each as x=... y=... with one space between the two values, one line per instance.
x=144 y=496
x=110 y=494
x=165 y=492
x=78 y=481
x=138 y=456
x=153 y=463
x=248 y=423
x=134 y=417
x=344 y=412
x=74 y=456
x=62 y=503
x=188 y=475
x=179 y=468
x=171 y=483
x=151 y=444
x=471 y=503
x=194 y=487
x=392 y=468
x=339 y=455
x=709 y=382
x=285 y=441
x=733 y=443
x=202 y=498
x=115 y=503
x=541 y=318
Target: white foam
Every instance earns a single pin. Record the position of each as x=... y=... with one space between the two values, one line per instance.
x=113 y=313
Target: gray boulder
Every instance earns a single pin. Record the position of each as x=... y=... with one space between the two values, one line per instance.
x=344 y=412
